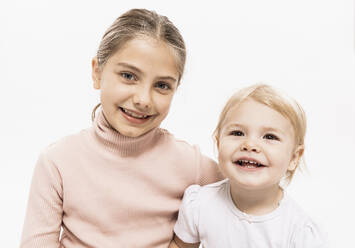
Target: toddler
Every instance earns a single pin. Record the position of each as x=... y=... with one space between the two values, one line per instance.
x=260 y=140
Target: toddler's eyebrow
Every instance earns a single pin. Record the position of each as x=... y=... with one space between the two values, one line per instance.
x=272 y=129
x=235 y=125
x=264 y=128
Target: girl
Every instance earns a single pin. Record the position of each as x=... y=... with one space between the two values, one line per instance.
x=120 y=182
x=260 y=139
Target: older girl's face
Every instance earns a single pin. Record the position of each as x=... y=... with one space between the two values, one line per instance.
x=137 y=85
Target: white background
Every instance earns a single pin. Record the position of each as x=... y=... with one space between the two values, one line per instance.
x=303 y=47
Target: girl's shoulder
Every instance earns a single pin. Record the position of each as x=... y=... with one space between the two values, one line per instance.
x=66 y=143
x=58 y=156
x=180 y=147
x=65 y=147
x=169 y=138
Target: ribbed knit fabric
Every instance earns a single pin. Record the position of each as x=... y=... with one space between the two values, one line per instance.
x=106 y=190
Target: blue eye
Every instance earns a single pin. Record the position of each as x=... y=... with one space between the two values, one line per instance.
x=270 y=136
x=127 y=75
x=236 y=133
x=163 y=85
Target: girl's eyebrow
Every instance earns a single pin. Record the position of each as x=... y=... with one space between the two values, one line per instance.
x=132 y=67
x=168 y=78
x=138 y=71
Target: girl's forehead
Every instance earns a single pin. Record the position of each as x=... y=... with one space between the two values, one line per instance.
x=148 y=54
x=144 y=44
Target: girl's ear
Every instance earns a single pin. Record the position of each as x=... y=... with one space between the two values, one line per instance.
x=96 y=73
x=297 y=154
x=217 y=141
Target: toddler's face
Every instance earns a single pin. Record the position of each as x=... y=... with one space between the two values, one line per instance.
x=256 y=146
x=137 y=85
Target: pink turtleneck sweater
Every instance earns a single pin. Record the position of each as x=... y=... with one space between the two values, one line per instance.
x=105 y=190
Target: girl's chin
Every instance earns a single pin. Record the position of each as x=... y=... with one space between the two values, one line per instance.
x=132 y=132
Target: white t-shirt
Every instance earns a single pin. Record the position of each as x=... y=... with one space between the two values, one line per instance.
x=208 y=215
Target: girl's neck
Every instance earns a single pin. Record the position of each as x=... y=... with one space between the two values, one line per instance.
x=124 y=145
x=256 y=202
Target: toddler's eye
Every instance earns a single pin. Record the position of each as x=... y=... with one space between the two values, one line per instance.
x=270 y=136
x=163 y=86
x=127 y=75
x=236 y=133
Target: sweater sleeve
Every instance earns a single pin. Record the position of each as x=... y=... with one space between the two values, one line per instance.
x=207 y=171
x=45 y=207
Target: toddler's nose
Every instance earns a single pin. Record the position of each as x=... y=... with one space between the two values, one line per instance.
x=248 y=146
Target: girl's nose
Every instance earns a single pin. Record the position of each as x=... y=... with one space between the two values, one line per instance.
x=249 y=146
x=142 y=99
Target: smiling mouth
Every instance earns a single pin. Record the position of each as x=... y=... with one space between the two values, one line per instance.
x=250 y=164
x=135 y=114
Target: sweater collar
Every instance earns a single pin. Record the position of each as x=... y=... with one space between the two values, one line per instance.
x=124 y=145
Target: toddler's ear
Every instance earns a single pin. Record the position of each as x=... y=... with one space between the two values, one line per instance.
x=296 y=156
x=96 y=73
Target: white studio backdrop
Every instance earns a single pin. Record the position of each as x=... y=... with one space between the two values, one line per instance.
x=305 y=48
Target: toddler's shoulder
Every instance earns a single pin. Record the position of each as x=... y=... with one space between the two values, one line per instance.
x=206 y=192
x=294 y=211
x=195 y=195
x=306 y=231
x=216 y=187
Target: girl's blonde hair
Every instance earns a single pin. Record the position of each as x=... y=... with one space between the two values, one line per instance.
x=139 y=23
x=270 y=97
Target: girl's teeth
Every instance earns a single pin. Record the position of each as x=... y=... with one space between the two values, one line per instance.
x=134 y=114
